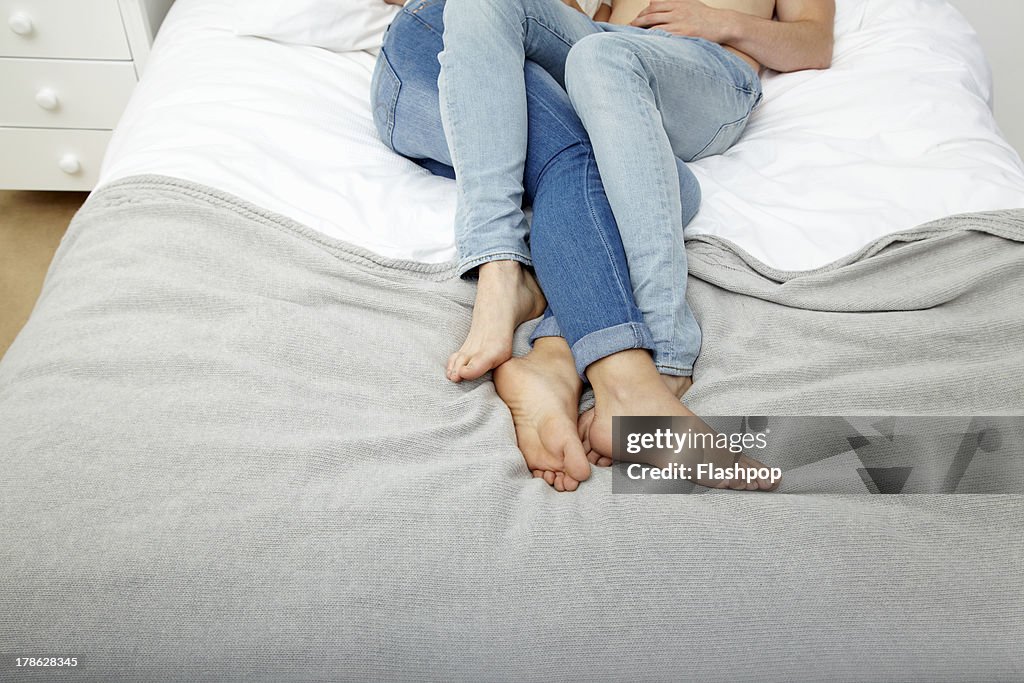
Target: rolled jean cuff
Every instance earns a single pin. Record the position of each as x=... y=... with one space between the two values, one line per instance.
x=603 y=343
x=468 y=264
x=678 y=362
x=676 y=370
x=548 y=327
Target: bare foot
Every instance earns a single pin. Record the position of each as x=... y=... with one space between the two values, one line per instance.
x=583 y=424
x=677 y=385
x=507 y=295
x=646 y=393
x=542 y=391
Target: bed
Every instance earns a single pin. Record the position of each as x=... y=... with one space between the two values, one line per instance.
x=229 y=452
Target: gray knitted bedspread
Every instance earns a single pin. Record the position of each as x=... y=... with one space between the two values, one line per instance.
x=228 y=452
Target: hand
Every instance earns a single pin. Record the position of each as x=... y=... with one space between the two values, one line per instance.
x=683 y=18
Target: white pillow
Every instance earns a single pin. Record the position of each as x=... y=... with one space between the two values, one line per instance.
x=849 y=16
x=337 y=25
x=348 y=25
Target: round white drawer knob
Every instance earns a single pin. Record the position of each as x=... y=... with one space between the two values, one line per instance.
x=20 y=23
x=70 y=164
x=47 y=99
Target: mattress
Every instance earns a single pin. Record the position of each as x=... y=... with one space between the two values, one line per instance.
x=897 y=133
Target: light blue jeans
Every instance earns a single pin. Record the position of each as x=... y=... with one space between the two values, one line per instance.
x=645 y=97
x=575 y=244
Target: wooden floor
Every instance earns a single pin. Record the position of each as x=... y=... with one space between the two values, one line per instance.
x=31 y=226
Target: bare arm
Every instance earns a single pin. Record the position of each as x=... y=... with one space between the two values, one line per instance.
x=802 y=38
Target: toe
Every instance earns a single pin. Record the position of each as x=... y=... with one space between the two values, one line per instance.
x=570 y=483
x=472 y=368
x=536 y=455
x=560 y=438
x=576 y=464
x=549 y=477
x=477 y=366
x=455 y=364
x=560 y=482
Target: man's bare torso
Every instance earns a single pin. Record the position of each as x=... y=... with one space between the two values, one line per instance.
x=625 y=11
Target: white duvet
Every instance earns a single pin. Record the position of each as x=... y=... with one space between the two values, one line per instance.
x=898 y=132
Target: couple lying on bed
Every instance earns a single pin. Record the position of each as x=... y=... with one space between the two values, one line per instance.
x=590 y=123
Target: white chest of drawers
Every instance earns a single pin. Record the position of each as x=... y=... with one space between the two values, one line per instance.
x=67 y=69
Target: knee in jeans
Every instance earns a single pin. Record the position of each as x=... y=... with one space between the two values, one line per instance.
x=596 y=66
x=480 y=10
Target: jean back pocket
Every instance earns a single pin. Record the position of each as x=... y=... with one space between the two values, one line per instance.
x=726 y=137
x=384 y=90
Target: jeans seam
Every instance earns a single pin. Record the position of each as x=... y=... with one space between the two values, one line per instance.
x=422 y=5
x=662 y=190
x=577 y=139
x=626 y=296
x=676 y=368
x=644 y=58
x=393 y=104
x=444 y=96
x=414 y=14
x=529 y=18
x=740 y=120
x=675 y=64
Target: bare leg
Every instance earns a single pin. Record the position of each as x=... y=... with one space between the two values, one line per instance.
x=542 y=390
x=507 y=295
x=628 y=384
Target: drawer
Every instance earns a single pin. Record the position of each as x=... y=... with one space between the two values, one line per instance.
x=79 y=29
x=50 y=93
x=42 y=159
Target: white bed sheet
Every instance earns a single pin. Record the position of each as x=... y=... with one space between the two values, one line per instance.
x=897 y=133
x=287 y=128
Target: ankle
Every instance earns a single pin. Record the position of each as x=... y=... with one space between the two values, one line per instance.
x=552 y=347
x=502 y=268
x=623 y=376
x=676 y=384
x=556 y=356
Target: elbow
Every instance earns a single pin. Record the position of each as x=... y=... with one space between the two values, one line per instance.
x=820 y=58
x=825 y=49
x=824 y=56
x=818 y=47
x=806 y=63
x=814 y=56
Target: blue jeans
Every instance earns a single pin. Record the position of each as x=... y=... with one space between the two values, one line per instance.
x=645 y=98
x=577 y=251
